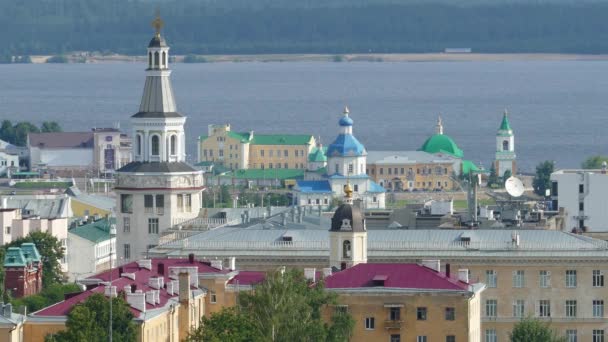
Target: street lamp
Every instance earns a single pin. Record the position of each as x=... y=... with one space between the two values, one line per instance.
x=112 y=235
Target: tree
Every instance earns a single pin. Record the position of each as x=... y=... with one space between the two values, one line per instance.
x=594 y=162
x=49 y=296
x=51 y=251
x=7 y=132
x=493 y=177
x=506 y=176
x=21 y=130
x=89 y=321
x=50 y=126
x=542 y=179
x=533 y=330
x=227 y=325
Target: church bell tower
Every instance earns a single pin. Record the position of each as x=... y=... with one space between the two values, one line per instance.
x=348 y=233
x=505 y=148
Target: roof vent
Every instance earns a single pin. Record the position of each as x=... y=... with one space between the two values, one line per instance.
x=128 y=275
x=145 y=263
x=379 y=280
x=327 y=272
x=310 y=274
x=463 y=275
x=217 y=264
x=435 y=265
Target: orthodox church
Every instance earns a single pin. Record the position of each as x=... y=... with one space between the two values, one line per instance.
x=158 y=189
x=505 y=148
x=346 y=163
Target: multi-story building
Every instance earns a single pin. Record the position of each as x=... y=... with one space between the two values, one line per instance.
x=93 y=247
x=9 y=163
x=583 y=194
x=158 y=189
x=407 y=302
x=249 y=150
x=23 y=270
x=408 y=170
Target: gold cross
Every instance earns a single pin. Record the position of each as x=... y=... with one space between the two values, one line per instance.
x=157 y=23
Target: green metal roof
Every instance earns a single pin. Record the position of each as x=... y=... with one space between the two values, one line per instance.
x=30 y=251
x=95 y=231
x=242 y=137
x=25 y=173
x=204 y=163
x=468 y=166
x=202 y=137
x=504 y=125
x=441 y=143
x=318 y=155
x=281 y=139
x=267 y=174
x=14 y=258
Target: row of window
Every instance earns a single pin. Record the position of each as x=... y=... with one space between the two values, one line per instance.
x=155 y=145
x=543 y=308
x=394 y=313
x=351 y=168
x=544 y=278
x=278 y=166
x=4 y=163
x=420 y=171
x=571 y=335
x=155 y=204
x=397 y=338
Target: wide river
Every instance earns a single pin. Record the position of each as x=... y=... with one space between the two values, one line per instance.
x=558 y=109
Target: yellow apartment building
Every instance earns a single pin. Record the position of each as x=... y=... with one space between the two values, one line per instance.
x=249 y=150
x=409 y=170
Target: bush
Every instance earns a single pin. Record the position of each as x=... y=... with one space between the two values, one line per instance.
x=58 y=59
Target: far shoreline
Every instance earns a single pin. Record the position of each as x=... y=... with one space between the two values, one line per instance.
x=85 y=57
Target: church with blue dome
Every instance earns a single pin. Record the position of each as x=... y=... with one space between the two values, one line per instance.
x=346 y=163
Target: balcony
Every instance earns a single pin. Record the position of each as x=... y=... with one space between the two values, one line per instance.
x=392 y=325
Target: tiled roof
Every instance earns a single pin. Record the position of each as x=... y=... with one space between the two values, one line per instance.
x=267 y=174
x=95 y=231
x=314 y=186
x=61 y=140
x=403 y=276
x=142 y=276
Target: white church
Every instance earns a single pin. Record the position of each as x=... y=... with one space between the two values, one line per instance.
x=157 y=189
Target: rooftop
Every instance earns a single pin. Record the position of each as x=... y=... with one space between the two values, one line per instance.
x=95 y=231
x=61 y=140
x=267 y=174
x=401 y=276
x=157 y=167
x=314 y=186
x=405 y=157
x=45 y=206
x=441 y=143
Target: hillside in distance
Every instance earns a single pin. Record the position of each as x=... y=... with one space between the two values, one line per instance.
x=47 y=27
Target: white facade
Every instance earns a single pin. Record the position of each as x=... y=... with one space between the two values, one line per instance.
x=8 y=162
x=584 y=195
x=61 y=157
x=88 y=257
x=505 y=149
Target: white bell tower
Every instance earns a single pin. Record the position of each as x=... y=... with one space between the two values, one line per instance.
x=348 y=234
x=505 y=148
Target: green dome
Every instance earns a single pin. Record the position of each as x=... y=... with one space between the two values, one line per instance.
x=441 y=143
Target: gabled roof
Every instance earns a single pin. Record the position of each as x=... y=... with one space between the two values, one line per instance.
x=401 y=276
x=61 y=140
x=95 y=231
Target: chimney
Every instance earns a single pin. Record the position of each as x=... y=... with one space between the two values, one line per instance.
x=170 y=288
x=448 y=270
x=160 y=268
x=435 y=265
x=7 y=310
x=154 y=282
x=283 y=219
x=145 y=263
x=110 y=291
x=127 y=289
x=184 y=287
x=463 y=275
x=121 y=270
x=156 y=296
x=310 y=274
x=128 y=275
x=191 y=258
x=137 y=300
x=327 y=272
x=134 y=288
x=4 y=203
x=150 y=297
x=217 y=264
x=233 y=263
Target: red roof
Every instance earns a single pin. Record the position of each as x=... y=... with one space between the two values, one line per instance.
x=404 y=276
x=142 y=275
x=247 y=278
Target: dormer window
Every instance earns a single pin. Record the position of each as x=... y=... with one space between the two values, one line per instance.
x=346 y=224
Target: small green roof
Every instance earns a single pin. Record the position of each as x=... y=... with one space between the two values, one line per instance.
x=30 y=251
x=267 y=174
x=95 y=231
x=468 y=167
x=14 y=258
x=204 y=163
x=281 y=139
x=202 y=137
x=242 y=137
x=318 y=154
x=441 y=143
x=504 y=125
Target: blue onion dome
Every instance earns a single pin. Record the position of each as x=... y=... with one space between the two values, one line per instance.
x=345 y=120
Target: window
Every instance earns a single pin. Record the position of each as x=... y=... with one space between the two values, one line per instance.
x=126 y=204
x=221 y=153
x=8 y=230
x=394 y=314
x=397 y=338
x=152 y=226
x=286 y=166
x=571 y=335
x=518 y=278
x=155 y=145
x=490 y=335
x=180 y=203
x=598 y=335
x=421 y=314
x=370 y=323
x=581 y=189
x=381 y=170
x=598 y=278
x=544 y=308
x=505 y=145
x=127 y=251
x=544 y=278
x=350 y=168
x=518 y=308
x=213 y=298
x=598 y=308
x=450 y=314
x=450 y=338
x=126 y=224
x=491 y=276
x=173 y=147
x=188 y=202
x=421 y=339
x=571 y=308
x=148 y=203
x=491 y=307
x=285 y=153
x=581 y=206
x=160 y=204
x=356 y=188
x=156 y=59
x=390 y=171
x=346 y=249
x=138 y=145
x=261 y=153
x=402 y=170
x=570 y=278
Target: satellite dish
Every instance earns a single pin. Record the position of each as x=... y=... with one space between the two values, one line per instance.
x=514 y=187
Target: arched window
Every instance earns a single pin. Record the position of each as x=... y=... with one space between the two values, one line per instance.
x=155 y=145
x=150 y=60
x=173 y=144
x=157 y=59
x=138 y=143
x=505 y=145
x=346 y=249
x=164 y=59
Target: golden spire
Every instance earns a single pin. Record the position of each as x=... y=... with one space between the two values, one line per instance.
x=157 y=23
x=348 y=190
